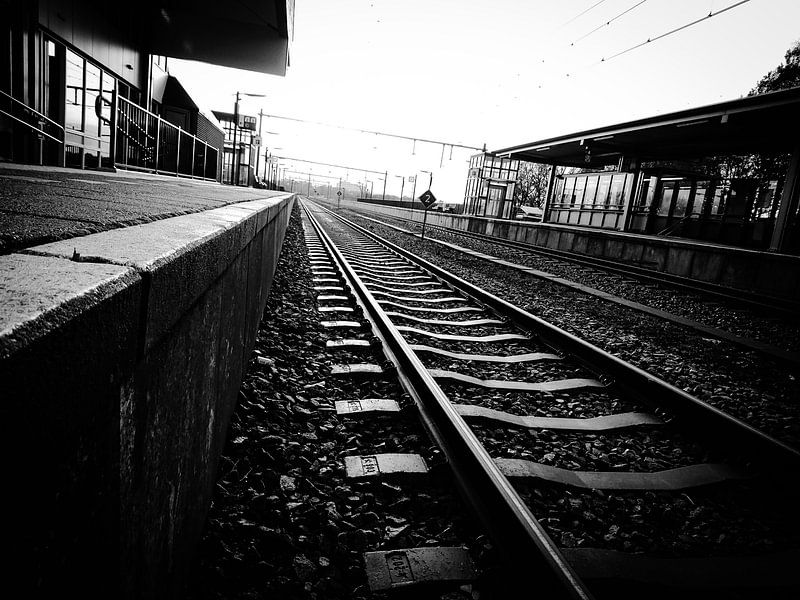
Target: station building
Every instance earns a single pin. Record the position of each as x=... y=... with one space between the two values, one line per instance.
x=239 y=159
x=490 y=186
x=724 y=174
x=84 y=83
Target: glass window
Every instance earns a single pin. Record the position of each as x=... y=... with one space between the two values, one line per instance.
x=73 y=113
x=647 y=190
x=591 y=190
x=601 y=199
x=701 y=189
x=616 y=195
x=682 y=199
x=718 y=199
x=665 y=199
x=558 y=190
x=577 y=194
x=569 y=188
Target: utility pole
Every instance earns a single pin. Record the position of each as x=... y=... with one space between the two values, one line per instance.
x=235 y=161
x=385 y=177
x=258 y=152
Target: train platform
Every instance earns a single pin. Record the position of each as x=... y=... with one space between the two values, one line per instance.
x=44 y=204
x=106 y=278
x=740 y=270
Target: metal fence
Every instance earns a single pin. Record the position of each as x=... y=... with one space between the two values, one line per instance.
x=47 y=135
x=146 y=141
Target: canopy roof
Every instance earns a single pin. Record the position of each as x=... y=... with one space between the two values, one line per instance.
x=763 y=123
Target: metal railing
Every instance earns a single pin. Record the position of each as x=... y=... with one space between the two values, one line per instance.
x=146 y=141
x=21 y=113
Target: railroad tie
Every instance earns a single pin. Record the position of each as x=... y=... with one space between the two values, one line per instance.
x=514 y=358
x=603 y=423
x=557 y=385
x=671 y=479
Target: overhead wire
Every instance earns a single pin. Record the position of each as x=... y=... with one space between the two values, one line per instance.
x=582 y=13
x=676 y=30
x=599 y=27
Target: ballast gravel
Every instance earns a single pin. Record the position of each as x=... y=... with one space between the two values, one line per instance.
x=745 y=384
x=285 y=522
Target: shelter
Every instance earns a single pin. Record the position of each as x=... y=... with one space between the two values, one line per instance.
x=672 y=174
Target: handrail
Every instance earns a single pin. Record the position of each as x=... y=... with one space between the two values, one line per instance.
x=673 y=226
x=33 y=110
x=161 y=143
x=33 y=128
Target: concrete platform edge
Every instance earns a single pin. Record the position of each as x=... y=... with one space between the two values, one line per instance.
x=122 y=353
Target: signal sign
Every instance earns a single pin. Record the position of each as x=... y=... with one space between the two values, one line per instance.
x=428 y=199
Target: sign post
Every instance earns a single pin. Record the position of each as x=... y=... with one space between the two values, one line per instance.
x=428 y=199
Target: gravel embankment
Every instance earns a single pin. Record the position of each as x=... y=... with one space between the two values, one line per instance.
x=731 y=518
x=285 y=521
x=740 y=321
x=744 y=384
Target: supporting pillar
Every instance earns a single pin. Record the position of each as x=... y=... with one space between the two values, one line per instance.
x=548 y=198
x=790 y=196
x=629 y=201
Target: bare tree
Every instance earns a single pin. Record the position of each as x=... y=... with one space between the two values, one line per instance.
x=531 y=187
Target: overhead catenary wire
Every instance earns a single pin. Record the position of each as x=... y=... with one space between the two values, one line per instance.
x=580 y=14
x=609 y=22
x=676 y=30
x=369 y=131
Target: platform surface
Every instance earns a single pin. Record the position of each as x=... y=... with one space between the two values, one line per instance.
x=44 y=204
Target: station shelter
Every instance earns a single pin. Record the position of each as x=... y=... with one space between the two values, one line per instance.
x=726 y=173
x=82 y=82
x=490 y=186
x=240 y=149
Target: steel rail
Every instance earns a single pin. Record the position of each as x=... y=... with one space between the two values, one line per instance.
x=788 y=308
x=704 y=420
x=535 y=564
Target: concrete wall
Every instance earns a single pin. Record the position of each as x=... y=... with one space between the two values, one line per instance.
x=121 y=355
x=737 y=268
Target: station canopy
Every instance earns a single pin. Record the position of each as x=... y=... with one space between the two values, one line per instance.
x=763 y=123
x=247 y=34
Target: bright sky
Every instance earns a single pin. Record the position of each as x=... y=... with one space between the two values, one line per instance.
x=502 y=73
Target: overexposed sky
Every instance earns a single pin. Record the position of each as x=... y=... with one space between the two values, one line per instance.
x=503 y=72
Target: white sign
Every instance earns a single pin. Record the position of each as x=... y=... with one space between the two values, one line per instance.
x=256 y=140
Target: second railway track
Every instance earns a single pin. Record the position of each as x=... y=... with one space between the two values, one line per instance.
x=591 y=476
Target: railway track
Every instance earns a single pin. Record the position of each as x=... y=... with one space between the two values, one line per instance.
x=752 y=322
x=591 y=476
x=767 y=304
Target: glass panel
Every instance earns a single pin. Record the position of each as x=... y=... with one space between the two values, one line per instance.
x=92 y=108
x=558 y=190
x=682 y=201
x=647 y=190
x=718 y=200
x=105 y=118
x=577 y=195
x=73 y=111
x=591 y=190
x=699 y=198
x=601 y=199
x=616 y=196
x=569 y=188
x=665 y=199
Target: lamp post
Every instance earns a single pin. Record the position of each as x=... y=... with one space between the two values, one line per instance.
x=236 y=157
